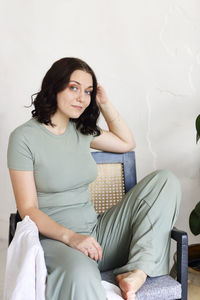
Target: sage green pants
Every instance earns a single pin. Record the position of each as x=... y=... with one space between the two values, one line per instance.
x=134 y=234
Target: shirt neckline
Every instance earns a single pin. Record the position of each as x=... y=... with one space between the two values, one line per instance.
x=56 y=136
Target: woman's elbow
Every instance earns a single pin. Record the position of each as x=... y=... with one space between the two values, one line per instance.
x=130 y=146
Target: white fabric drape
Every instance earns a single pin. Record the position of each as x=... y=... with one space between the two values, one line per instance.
x=26 y=271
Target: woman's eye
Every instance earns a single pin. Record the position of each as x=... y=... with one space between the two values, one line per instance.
x=73 y=88
x=88 y=92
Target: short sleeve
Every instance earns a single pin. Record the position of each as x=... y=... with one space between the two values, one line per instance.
x=19 y=156
x=92 y=136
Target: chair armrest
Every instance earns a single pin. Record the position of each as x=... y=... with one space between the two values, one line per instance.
x=181 y=238
x=14 y=218
x=12 y=227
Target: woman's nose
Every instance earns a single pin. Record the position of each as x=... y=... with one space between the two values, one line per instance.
x=80 y=96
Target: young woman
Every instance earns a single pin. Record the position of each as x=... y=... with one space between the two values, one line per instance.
x=51 y=167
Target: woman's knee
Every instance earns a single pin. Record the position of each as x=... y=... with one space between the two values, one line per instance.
x=169 y=186
x=161 y=189
x=85 y=271
x=164 y=174
x=79 y=270
x=67 y=260
x=169 y=178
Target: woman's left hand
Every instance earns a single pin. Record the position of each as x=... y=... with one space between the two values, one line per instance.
x=101 y=97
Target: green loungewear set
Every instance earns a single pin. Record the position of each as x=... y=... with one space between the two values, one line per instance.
x=134 y=234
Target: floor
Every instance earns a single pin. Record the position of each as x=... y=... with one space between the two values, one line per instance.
x=193 y=291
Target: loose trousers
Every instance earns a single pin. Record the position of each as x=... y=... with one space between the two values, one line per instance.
x=134 y=234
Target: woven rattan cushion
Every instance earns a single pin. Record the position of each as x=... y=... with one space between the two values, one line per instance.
x=108 y=188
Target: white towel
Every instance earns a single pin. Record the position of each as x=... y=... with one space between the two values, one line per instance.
x=25 y=267
x=26 y=272
x=112 y=291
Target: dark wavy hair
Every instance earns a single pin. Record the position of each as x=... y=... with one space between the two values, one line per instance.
x=55 y=81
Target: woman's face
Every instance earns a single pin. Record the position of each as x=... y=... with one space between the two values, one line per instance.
x=76 y=97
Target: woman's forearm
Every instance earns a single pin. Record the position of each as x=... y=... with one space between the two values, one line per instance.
x=48 y=227
x=116 y=123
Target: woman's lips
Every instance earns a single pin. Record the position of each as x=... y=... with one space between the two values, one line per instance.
x=77 y=107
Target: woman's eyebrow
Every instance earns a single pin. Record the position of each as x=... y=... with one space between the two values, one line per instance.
x=80 y=84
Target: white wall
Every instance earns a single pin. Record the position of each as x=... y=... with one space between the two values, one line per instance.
x=145 y=53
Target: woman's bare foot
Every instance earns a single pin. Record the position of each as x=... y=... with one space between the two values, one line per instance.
x=130 y=283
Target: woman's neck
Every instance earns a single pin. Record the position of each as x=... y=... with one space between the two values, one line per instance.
x=61 y=123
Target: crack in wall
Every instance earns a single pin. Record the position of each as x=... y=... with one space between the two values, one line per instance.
x=148 y=138
x=183 y=12
x=191 y=84
x=175 y=8
x=198 y=57
x=149 y=118
x=171 y=93
x=196 y=60
x=162 y=31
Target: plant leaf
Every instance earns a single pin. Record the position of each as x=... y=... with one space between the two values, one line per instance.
x=197 y=138
x=194 y=220
x=198 y=128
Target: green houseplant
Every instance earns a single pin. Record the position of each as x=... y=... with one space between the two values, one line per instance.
x=193 y=249
x=194 y=220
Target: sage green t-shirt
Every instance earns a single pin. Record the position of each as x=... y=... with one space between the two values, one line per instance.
x=63 y=168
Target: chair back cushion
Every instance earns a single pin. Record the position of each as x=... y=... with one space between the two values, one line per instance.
x=108 y=188
x=116 y=176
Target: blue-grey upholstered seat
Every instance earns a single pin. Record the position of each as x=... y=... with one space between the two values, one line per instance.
x=157 y=288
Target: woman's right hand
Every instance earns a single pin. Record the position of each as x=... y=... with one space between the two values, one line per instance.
x=86 y=244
